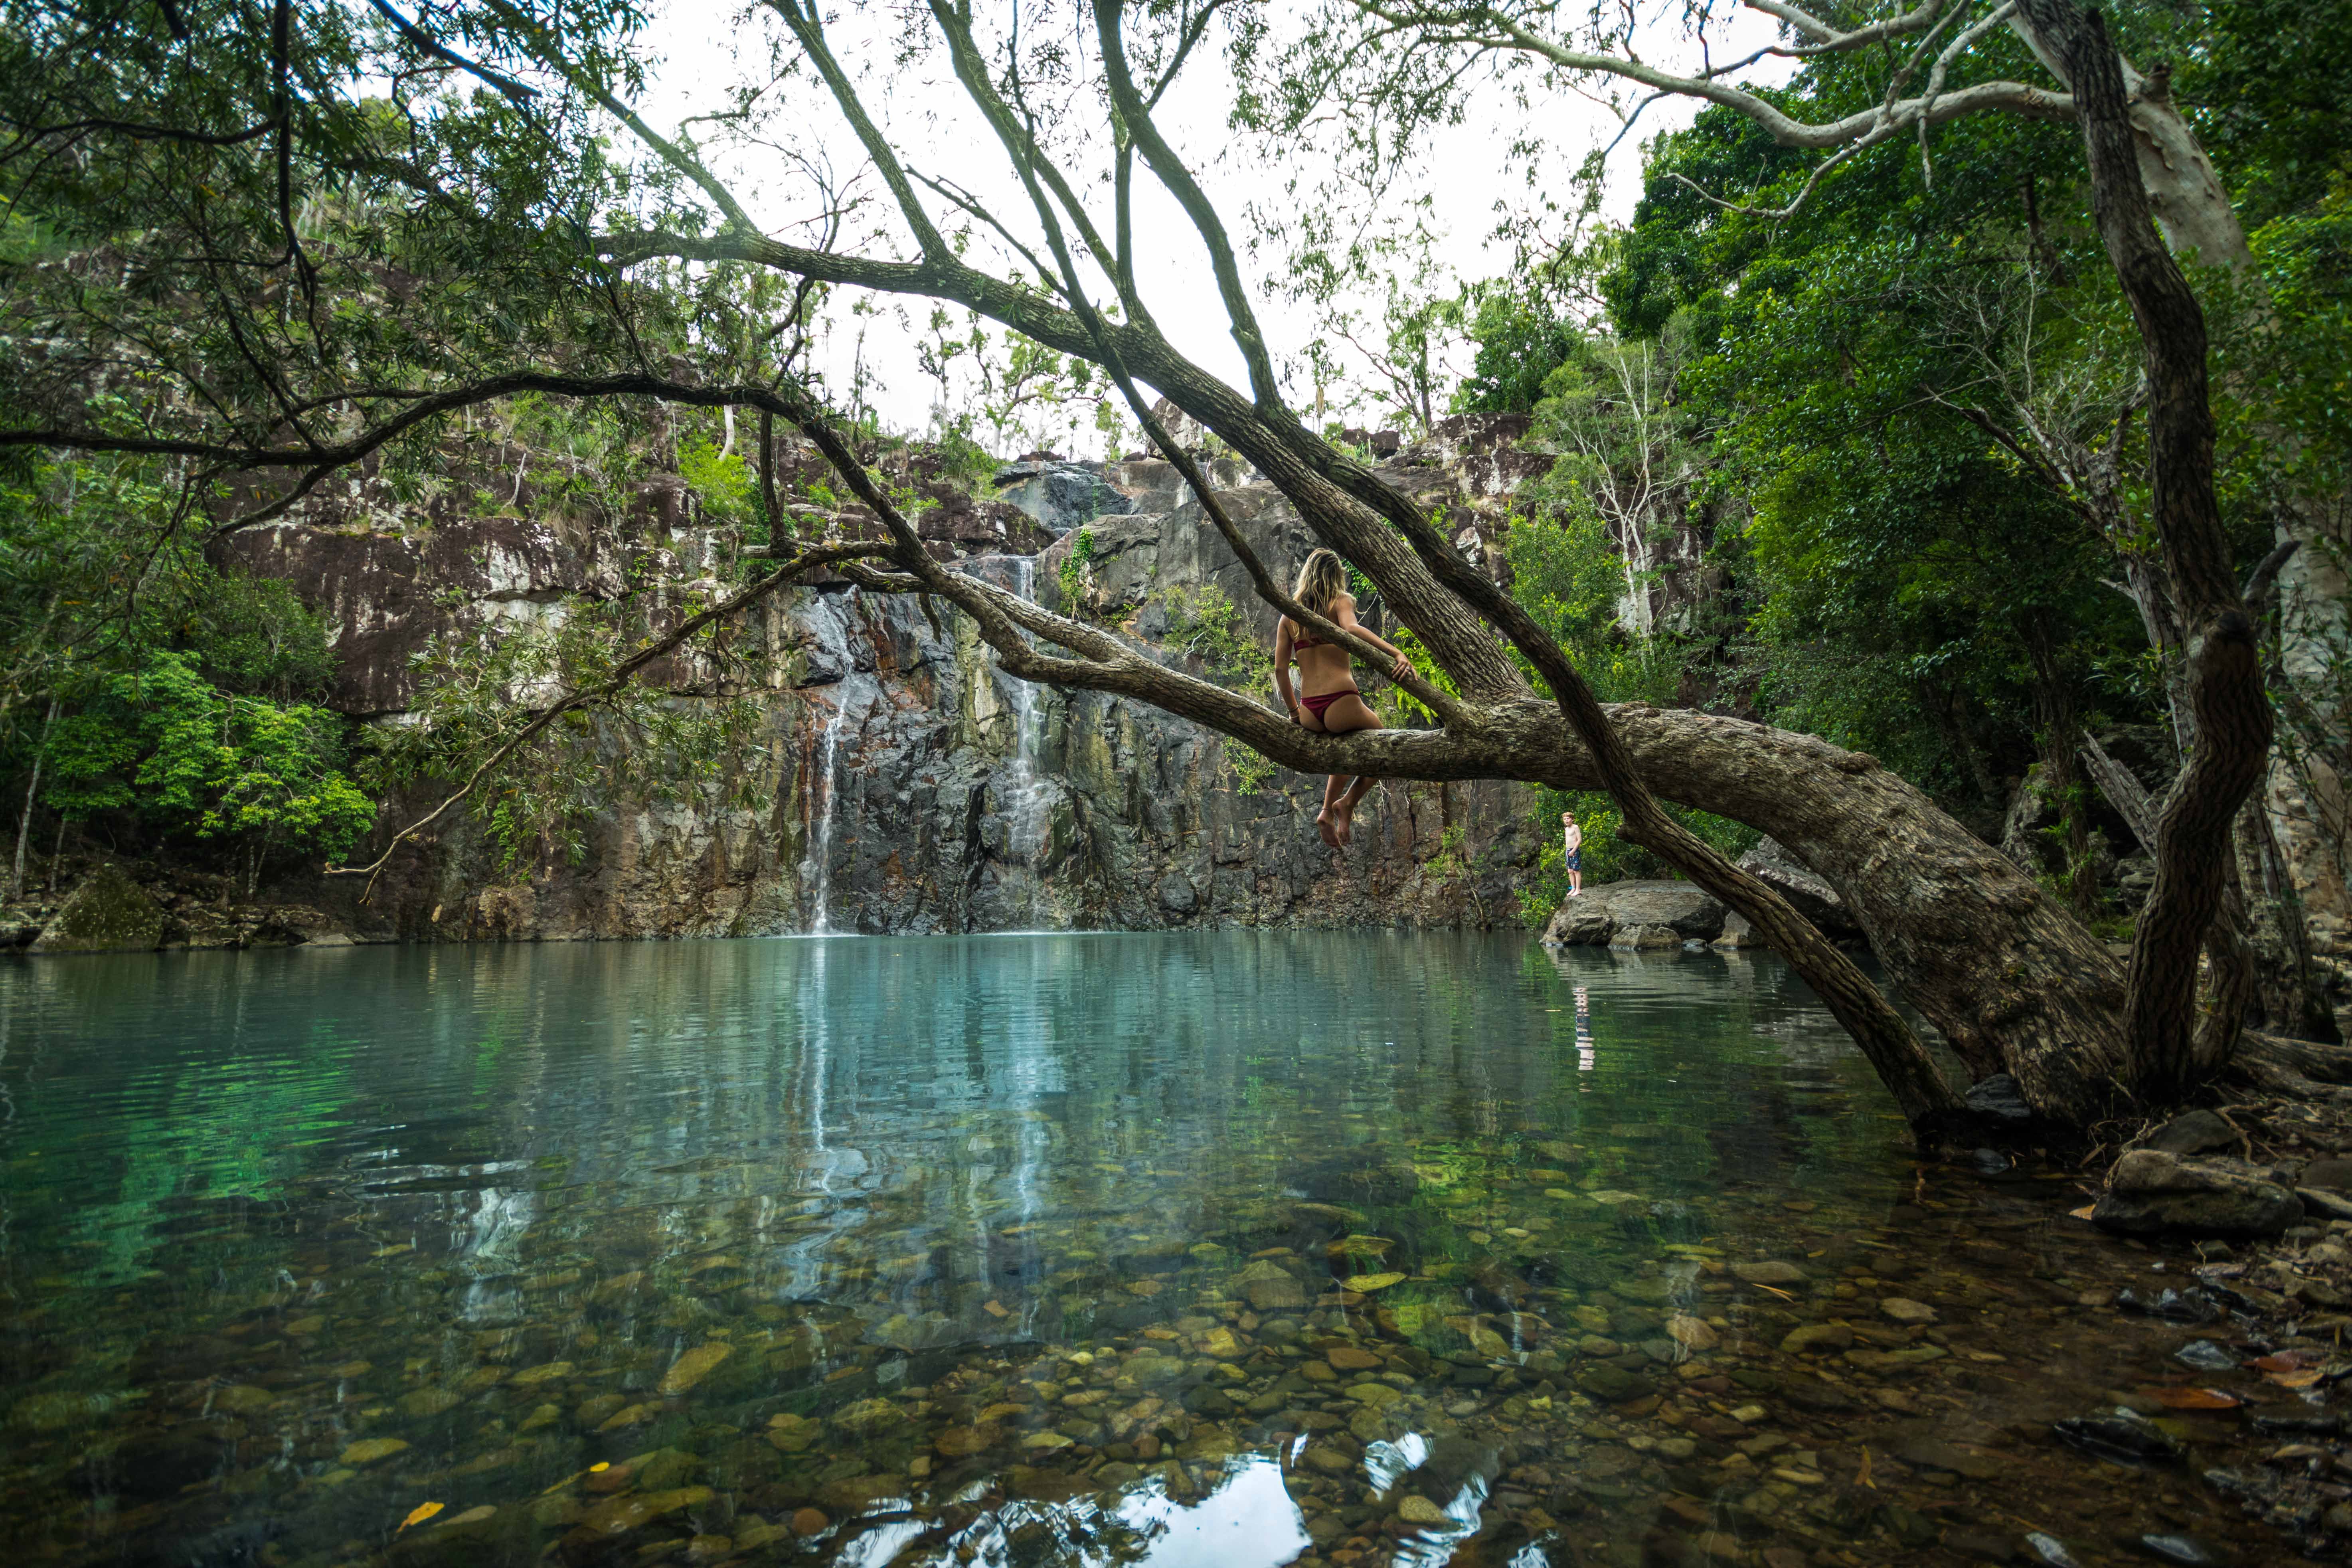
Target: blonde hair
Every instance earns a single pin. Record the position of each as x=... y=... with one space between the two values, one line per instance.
x=1321 y=580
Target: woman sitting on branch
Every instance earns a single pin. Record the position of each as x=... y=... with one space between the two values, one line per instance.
x=1327 y=700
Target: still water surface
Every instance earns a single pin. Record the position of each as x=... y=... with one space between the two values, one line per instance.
x=1240 y=1248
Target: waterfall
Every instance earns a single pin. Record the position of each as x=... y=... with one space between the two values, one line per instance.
x=825 y=787
x=1024 y=806
x=818 y=861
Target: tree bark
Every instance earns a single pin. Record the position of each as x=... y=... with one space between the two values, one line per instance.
x=2123 y=791
x=2060 y=724
x=2168 y=1054
x=2184 y=192
x=32 y=793
x=2293 y=991
x=2010 y=981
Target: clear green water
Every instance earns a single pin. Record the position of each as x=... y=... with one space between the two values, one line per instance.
x=1010 y=1250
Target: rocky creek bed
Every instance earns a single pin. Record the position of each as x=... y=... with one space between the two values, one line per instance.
x=1240 y=1248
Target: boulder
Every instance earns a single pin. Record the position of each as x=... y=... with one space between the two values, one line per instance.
x=108 y=913
x=2150 y=1192
x=1581 y=922
x=2198 y=1132
x=2335 y=1174
x=1269 y=1288
x=1661 y=914
x=299 y=925
x=1997 y=1099
x=1810 y=895
x=1737 y=932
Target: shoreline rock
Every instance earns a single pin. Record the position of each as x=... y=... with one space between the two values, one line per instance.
x=107 y=912
x=2151 y=1192
x=1636 y=914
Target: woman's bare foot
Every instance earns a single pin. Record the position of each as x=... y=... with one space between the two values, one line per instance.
x=1327 y=827
x=1346 y=823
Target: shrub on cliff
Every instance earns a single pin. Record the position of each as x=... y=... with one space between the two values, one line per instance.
x=165 y=745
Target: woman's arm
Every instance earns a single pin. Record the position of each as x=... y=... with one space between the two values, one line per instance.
x=1283 y=653
x=1344 y=612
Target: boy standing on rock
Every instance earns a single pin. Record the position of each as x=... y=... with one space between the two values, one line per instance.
x=1573 y=836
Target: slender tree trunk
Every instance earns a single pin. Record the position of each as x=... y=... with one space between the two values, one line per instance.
x=32 y=793
x=2167 y=1053
x=770 y=508
x=2293 y=991
x=2060 y=724
x=1943 y=703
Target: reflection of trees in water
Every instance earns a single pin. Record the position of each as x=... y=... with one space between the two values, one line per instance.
x=830 y=1107
x=903 y=1132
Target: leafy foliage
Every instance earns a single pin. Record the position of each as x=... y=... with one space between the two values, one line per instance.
x=1522 y=337
x=1071 y=574
x=1206 y=624
x=162 y=742
x=535 y=804
x=156 y=694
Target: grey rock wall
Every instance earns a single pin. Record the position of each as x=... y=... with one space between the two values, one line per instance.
x=902 y=782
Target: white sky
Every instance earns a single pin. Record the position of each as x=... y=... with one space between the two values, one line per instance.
x=1463 y=172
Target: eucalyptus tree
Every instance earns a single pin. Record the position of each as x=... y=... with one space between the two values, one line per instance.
x=295 y=277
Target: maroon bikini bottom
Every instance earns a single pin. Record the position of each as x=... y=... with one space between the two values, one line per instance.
x=1315 y=705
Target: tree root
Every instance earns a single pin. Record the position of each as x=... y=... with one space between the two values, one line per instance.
x=2306 y=1068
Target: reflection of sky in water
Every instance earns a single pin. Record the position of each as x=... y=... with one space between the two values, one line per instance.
x=1248 y=1520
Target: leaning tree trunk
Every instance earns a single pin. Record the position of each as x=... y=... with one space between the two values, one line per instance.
x=2003 y=973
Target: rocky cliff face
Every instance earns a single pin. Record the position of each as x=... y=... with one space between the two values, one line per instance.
x=902 y=782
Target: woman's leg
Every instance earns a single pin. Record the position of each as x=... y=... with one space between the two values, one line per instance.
x=1345 y=717
x=1327 y=821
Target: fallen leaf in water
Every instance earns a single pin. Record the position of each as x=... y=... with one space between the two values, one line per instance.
x=2083 y=1213
x=2193 y=1398
x=2290 y=1361
x=419 y=1514
x=2295 y=1379
x=1371 y=1281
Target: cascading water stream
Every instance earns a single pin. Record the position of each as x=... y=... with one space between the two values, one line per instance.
x=818 y=861
x=1024 y=806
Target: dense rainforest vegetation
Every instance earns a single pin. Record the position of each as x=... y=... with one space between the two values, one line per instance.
x=1904 y=419
x=1886 y=420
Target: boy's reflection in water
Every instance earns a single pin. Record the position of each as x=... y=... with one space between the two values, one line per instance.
x=1584 y=1052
